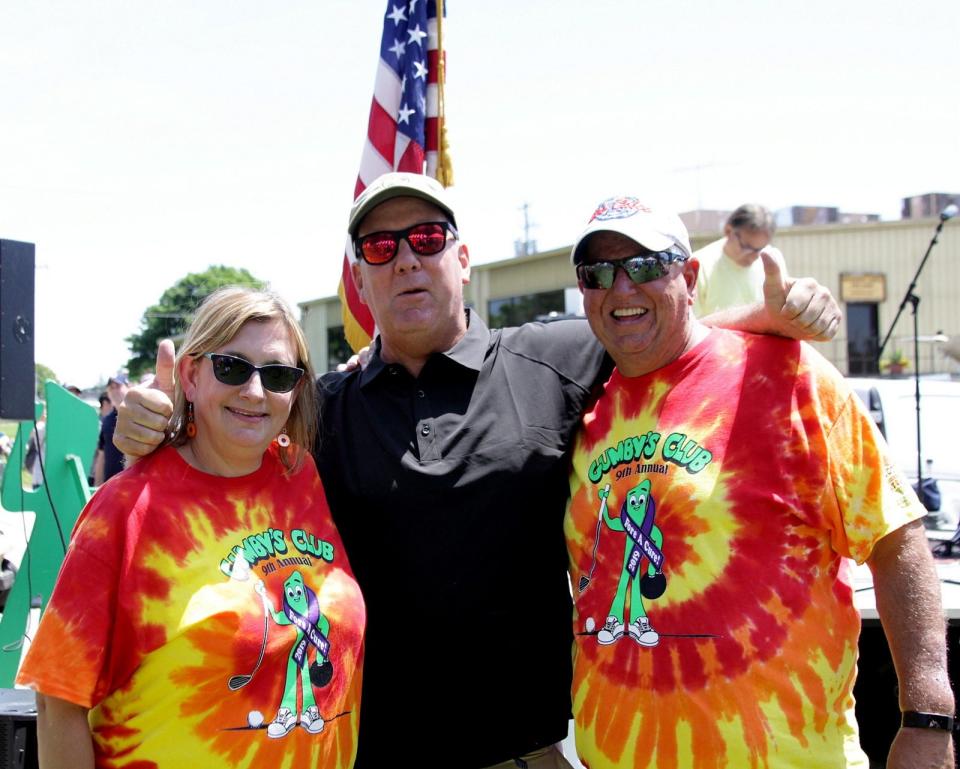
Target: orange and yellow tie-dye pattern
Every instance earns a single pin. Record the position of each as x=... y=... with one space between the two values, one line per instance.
x=175 y=618
x=748 y=473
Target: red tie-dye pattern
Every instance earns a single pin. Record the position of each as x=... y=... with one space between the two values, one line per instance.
x=755 y=660
x=154 y=629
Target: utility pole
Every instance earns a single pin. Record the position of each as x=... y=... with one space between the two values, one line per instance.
x=525 y=246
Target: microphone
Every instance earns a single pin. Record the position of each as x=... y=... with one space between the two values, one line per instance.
x=949 y=212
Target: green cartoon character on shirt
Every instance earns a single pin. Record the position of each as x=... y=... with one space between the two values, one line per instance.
x=302 y=610
x=643 y=540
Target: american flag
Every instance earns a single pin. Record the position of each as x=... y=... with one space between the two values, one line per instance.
x=405 y=128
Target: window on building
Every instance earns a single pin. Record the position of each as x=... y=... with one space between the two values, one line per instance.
x=520 y=309
x=338 y=350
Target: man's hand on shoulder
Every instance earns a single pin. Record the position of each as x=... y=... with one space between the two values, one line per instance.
x=358 y=360
x=796 y=308
x=800 y=308
x=143 y=416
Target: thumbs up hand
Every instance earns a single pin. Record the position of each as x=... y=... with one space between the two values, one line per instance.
x=800 y=308
x=143 y=416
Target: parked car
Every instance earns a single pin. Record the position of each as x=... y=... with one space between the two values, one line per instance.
x=892 y=404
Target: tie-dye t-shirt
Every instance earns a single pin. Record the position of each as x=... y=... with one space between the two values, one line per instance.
x=191 y=611
x=715 y=506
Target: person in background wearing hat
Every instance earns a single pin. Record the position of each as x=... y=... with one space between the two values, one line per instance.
x=108 y=460
x=445 y=464
x=720 y=482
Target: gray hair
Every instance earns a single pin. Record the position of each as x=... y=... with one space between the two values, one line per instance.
x=752 y=216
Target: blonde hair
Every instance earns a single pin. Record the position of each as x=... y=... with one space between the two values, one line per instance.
x=218 y=320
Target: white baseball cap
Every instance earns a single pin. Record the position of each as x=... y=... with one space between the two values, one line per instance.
x=655 y=229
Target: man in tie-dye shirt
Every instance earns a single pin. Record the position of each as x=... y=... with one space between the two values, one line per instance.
x=721 y=484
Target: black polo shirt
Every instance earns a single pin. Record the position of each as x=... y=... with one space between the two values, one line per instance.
x=449 y=493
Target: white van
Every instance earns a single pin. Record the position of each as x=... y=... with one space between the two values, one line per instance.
x=892 y=404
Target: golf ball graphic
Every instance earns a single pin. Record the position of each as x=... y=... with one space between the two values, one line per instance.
x=589 y=624
x=255 y=719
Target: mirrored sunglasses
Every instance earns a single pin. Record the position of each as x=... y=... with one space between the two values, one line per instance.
x=640 y=269
x=425 y=239
x=275 y=377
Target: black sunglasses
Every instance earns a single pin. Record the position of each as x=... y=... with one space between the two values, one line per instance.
x=275 y=377
x=640 y=269
x=425 y=239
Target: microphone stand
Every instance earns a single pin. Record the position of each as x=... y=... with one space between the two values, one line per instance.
x=914 y=301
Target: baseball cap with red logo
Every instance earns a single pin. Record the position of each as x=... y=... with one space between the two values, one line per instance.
x=656 y=229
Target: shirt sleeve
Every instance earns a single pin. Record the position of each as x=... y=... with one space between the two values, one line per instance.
x=873 y=496
x=567 y=346
x=69 y=657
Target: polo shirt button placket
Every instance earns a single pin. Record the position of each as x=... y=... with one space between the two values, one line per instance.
x=425 y=430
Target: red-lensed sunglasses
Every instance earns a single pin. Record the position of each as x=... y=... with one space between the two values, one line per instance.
x=425 y=239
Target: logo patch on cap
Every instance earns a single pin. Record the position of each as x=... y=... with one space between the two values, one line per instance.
x=619 y=208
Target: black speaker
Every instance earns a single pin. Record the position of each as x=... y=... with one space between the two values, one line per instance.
x=18 y=729
x=17 y=373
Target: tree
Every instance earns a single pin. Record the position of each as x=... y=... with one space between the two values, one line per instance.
x=43 y=374
x=170 y=316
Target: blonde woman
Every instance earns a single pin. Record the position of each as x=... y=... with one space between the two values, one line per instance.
x=206 y=614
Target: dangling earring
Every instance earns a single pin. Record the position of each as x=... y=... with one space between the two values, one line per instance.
x=191 y=426
x=283 y=440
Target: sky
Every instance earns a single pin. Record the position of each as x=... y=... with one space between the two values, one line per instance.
x=141 y=141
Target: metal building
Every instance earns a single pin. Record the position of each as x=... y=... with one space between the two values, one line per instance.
x=868 y=267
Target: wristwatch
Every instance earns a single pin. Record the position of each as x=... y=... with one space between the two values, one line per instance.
x=920 y=720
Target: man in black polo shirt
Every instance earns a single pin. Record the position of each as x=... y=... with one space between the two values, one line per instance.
x=445 y=465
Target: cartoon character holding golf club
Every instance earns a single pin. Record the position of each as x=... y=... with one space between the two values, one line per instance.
x=302 y=610
x=643 y=540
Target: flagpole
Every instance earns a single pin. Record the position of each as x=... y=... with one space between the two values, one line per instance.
x=405 y=130
x=444 y=166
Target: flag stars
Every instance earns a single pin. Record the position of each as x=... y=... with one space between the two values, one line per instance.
x=420 y=70
x=397 y=16
x=411 y=8
x=398 y=48
x=403 y=83
x=403 y=116
x=416 y=35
